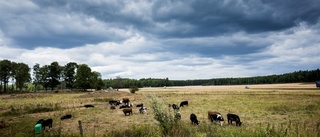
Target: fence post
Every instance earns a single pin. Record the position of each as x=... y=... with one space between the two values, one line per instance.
x=80 y=128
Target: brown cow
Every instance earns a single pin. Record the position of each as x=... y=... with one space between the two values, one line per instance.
x=127 y=110
x=125 y=101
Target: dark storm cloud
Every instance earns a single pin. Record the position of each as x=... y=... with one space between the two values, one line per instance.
x=160 y=19
x=211 y=18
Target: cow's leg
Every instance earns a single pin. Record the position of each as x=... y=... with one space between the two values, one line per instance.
x=221 y=123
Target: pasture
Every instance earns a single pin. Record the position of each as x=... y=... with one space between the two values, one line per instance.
x=265 y=110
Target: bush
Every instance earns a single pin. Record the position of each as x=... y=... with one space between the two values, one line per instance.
x=166 y=121
x=133 y=89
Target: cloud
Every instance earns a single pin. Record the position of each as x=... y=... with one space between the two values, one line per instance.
x=190 y=39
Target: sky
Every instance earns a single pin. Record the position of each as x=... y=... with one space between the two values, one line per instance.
x=175 y=39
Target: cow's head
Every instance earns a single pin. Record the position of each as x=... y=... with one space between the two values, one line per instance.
x=238 y=123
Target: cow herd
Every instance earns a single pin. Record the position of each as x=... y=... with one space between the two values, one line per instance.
x=126 y=107
x=213 y=116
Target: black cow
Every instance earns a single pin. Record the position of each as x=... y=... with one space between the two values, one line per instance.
x=45 y=123
x=127 y=110
x=139 y=105
x=194 y=119
x=67 y=116
x=114 y=102
x=175 y=107
x=184 y=103
x=88 y=106
x=216 y=117
x=234 y=117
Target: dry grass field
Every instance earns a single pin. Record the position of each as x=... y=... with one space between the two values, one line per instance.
x=263 y=109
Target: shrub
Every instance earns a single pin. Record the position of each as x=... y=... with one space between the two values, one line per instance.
x=133 y=89
x=166 y=121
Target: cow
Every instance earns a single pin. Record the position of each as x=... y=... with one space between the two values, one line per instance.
x=125 y=101
x=217 y=117
x=143 y=110
x=88 y=106
x=234 y=117
x=114 y=102
x=2 y=124
x=45 y=123
x=213 y=112
x=194 y=119
x=184 y=103
x=127 y=110
x=175 y=107
x=139 y=105
x=67 y=116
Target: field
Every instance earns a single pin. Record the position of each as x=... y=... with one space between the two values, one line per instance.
x=265 y=110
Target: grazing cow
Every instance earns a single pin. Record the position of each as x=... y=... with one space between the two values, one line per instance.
x=184 y=103
x=143 y=110
x=175 y=107
x=47 y=122
x=217 y=117
x=177 y=116
x=234 y=117
x=127 y=110
x=139 y=105
x=213 y=112
x=194 y=119
x=114 y=102
x=125 y=101
x=67 y=116
x=2 y=124
x=88 y=106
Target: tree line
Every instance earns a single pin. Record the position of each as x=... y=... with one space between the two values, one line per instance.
x=51 y=76
x=16 y=77
x=293 y=77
